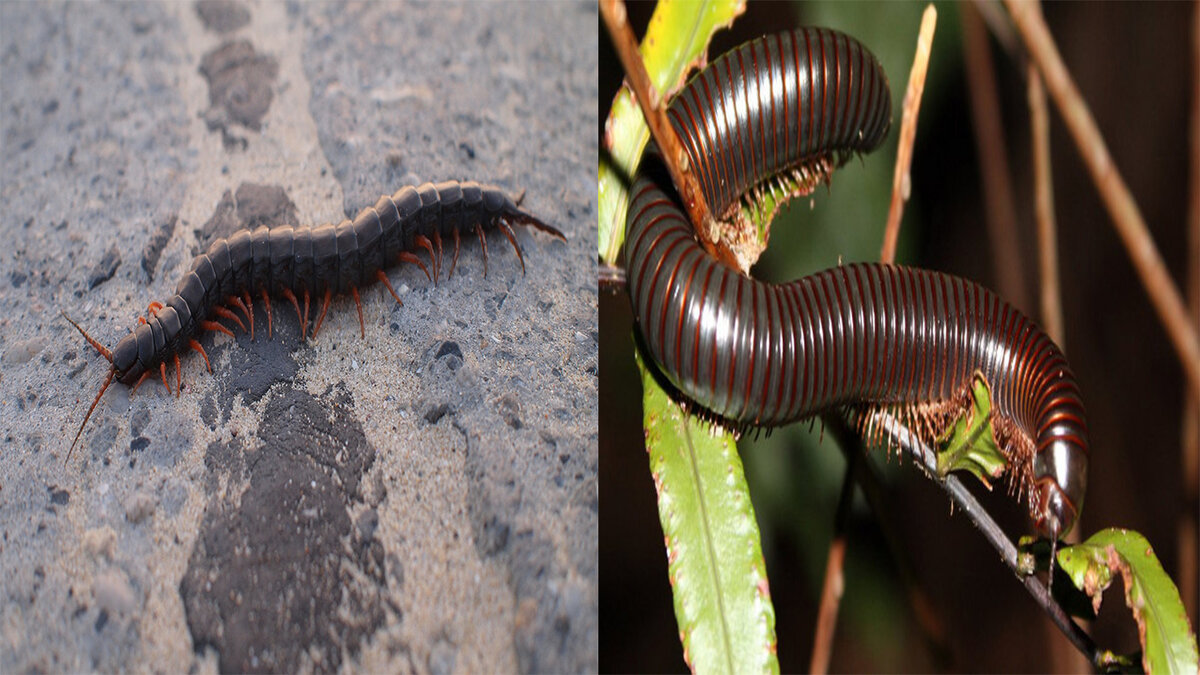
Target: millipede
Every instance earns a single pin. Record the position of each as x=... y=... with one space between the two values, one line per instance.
x=778 y=114
x=300 y=263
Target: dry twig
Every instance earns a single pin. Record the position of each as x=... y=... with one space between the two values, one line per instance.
x=902 y=179
x=1126 y=216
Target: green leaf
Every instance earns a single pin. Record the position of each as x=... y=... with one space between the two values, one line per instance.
x=970 y=444
x=718 y=576
x=1168 y=643
x=675 y=40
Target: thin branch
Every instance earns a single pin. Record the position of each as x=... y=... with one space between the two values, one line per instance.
x=616 y=20
x=999 y=212
x=835 y=579
x=902 y=179
x=1190 y=446
x=1123 y=210
x=1001 y=28
x=1043 y=199
x=926 y=458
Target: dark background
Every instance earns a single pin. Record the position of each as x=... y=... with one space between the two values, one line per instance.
x=1132 y=64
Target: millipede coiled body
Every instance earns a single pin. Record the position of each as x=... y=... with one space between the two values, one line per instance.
x=762 y=108
x=303 y=262
x=865 y=336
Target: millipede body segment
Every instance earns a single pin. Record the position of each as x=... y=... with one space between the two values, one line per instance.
x=862 y=336
x=299 y=263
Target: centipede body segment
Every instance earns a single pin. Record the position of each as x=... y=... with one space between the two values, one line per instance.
x=303 y=264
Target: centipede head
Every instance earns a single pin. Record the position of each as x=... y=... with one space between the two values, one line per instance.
x=112 y=372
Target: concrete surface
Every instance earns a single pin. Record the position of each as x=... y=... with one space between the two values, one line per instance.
x=421 y=500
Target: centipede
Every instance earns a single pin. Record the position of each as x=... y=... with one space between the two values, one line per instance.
x=299 y=264
x=779 y=113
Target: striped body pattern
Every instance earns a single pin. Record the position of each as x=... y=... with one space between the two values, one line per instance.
x=777 y=106
x=308 y=261
x=864 y=336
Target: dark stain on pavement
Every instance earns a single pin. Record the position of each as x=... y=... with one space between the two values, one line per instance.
x=283 y=572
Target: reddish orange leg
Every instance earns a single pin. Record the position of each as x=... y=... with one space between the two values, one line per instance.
x=437 y=240
x=383 y=278
x=247 y=310
x=405 y=256
x=213 y=325
x=196 y=347
x=139 y=383
x=162 y=368
x=324 y=307
x=152 y=308
x=428 y=246
x=454 y=261
x=178 y=377
x=483 y=243
x=362 y=328
x=513 y=240
x=304 y=328
x=267 y=301
x=224 y=313
x=288 y=294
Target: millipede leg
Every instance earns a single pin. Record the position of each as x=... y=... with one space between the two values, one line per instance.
x=405 y=256
x=504 y=227
x=362 y=329
x=454 y=261
x=287 y=293
x=139 y=383
x=428 y=246
x=213 y=325
x=267 y=301
x=178 y=376
x=483 y=244
x=324 y=307
x=383 y=278
x=224 y=313
x=196 y=346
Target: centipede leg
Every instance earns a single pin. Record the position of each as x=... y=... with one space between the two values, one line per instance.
x=405 y=256
x=324 y=307
x=162 y=368
x=196 y=347
x=362 y=329
x=483 y=244
x=152 y=308
x=304 y=327
x=224 y=313
x=240 y=304
x=213 y=325
x=267 y=301
x=178 y=376
x=383 y=278
x=507 y=230
x=287 y=293
x=454 y=261
x=423 y=242
x=437 y=240
x=139 y=383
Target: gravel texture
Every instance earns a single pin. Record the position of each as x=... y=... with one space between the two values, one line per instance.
x=420 y=500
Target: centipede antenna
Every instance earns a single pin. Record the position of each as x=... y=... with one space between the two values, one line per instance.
x=88 y=416
x=92 y=341
x=526 y=219
x=519 y=198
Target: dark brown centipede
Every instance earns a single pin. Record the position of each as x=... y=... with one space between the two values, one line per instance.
x=299 y=263
x=862 y=336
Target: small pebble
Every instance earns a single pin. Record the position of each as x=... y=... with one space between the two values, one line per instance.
x=100 y=541
x=139 y=506
x=113 y=592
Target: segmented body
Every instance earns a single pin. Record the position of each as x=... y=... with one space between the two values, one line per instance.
x=863 y=335
x=302 y=262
